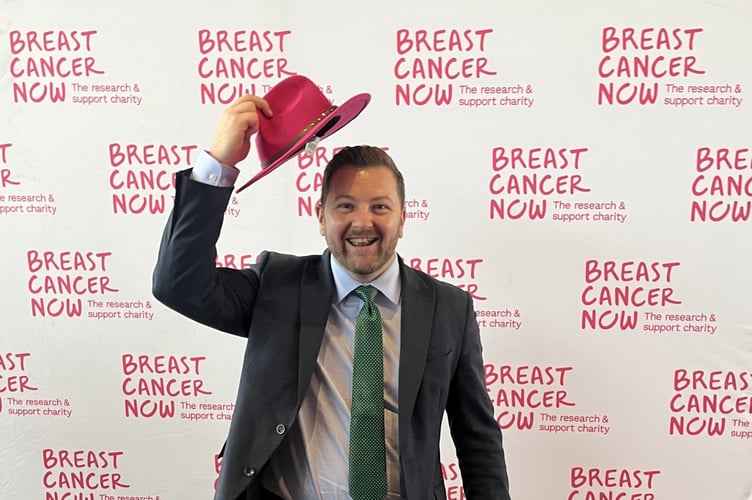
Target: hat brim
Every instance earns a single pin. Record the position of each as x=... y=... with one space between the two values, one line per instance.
x=340 y=117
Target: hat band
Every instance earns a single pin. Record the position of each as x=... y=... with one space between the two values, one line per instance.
x=295 y=139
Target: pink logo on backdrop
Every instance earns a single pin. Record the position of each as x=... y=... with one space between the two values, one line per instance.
x=14 y=202
x=14 y=383
x=709 y=402
x=595 y=483
x=521 y=392
x=636 y=61
x=217 y=468
x=433 y=65
x=154 y=385
x=12 y=363
x=234 y=63
x=18 y=394
x=722 y=188
x=235 y=260
x=60 y=281
x=81 y=473
x=525 y=179
x=142 y=178
x=6 y=173
x=43 y=62
x=616 y=292
x=453 y=481
x=461 y=272
x=311 y=176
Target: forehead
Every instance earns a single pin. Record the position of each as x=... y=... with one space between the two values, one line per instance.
x=376 y=180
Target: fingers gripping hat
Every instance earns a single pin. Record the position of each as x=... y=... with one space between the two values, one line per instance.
x=301 y=114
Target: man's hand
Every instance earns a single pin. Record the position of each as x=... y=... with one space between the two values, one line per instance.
x=239 y=121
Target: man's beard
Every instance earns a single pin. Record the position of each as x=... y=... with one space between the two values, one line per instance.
x=343 y=254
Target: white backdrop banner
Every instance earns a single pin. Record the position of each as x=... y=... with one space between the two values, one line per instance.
x=583 y=169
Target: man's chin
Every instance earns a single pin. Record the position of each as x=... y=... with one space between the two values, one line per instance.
x=362 y=269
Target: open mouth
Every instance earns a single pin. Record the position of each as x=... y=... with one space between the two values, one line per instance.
x=360 y=241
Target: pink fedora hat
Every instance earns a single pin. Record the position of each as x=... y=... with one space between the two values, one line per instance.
x=301 y=114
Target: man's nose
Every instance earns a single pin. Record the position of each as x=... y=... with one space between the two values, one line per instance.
x=362 y=217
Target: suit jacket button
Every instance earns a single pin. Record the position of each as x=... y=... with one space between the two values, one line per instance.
x=281 y=429
x=249 y=472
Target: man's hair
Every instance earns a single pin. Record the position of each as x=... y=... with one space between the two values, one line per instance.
x=361 y=156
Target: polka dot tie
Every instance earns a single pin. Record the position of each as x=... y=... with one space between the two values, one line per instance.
x=367 y=449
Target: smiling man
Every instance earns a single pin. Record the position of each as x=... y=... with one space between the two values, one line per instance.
x=352 y=358
x=362 y=214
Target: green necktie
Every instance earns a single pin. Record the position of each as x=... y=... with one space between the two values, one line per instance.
x=367 y=449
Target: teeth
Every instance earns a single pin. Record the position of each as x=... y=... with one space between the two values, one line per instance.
x=360 y=241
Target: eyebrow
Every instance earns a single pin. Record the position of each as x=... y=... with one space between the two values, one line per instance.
x=372 y=200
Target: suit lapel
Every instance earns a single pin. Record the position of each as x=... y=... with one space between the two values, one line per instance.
x=316 y=291
x=417 y=321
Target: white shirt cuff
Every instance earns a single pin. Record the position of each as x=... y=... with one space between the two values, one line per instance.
x=207 y=170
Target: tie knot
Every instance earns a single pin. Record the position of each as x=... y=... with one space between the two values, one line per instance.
x=366 y=293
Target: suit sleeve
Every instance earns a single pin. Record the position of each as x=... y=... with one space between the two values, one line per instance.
x=186 y=278
x=475 y=432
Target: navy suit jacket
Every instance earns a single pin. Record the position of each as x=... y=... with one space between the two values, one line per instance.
x=281 y=305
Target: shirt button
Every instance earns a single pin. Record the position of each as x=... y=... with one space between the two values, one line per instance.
x=281 y=429
x=249 y=472
x=212 y=177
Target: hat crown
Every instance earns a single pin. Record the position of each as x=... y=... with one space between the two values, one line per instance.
x=297 y=105
x=294 y=91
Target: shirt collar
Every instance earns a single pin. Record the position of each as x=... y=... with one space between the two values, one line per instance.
x=388 y=282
